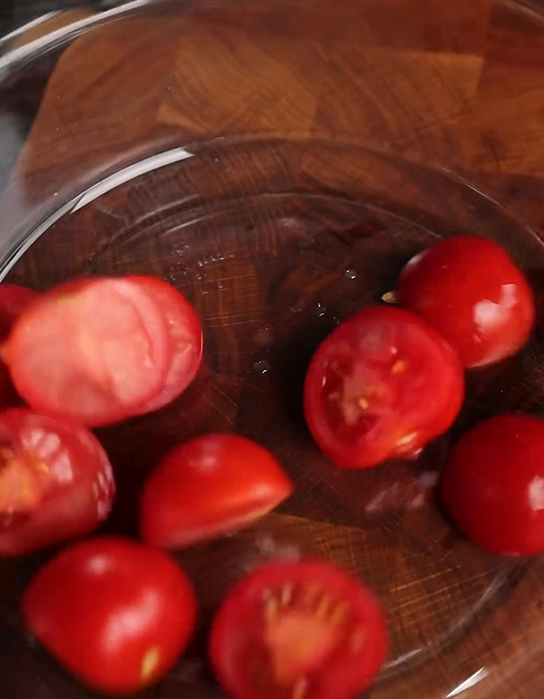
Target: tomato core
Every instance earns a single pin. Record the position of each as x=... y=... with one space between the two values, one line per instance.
x=23 y=482
x=303 y=626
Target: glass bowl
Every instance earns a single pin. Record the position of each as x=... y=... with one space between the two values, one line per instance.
x=278 y=161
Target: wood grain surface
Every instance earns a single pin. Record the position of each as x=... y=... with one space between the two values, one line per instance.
x=313 y=147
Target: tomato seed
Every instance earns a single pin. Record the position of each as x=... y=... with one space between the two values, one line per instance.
x=363 y=403
x=357 y=639
x=300 y=688
x=286 y=593
x=398 y=367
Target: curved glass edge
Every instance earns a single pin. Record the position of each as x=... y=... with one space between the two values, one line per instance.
x=56 y=27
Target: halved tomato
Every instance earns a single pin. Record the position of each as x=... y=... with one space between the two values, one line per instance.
x=210 y=485
x=56 y=481
x=382 y=384
x=185 y=333
x=298 y=630
x=93 y=350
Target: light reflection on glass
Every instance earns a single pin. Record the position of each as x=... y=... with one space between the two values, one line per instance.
x=470 y=682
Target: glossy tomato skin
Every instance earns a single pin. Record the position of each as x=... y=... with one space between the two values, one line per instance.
x=381 y=385
x=14 y=299
x=56 y=481
x=116 y=613
x=93 y=350
x=330 y=602
x=493 y=484
x=209 y=485
x=186 y=336
x=470 y=290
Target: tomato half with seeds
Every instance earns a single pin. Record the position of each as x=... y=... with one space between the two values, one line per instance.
x=14 y=299
x=493 y=484
x=381 y=385
x=212 y=484
x=116 y=613
x=94 y=350
x=186 y=334
x=298 y=630
x=56 y=481
x=471 y=291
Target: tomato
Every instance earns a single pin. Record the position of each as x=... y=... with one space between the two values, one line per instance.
x=56 y=481
x=470 y=290
x=210 y=485
x=493 y=484
x=302 y=630
x=13 y=301
x=186 y=335
x=382 y=384
x=116 y=613
x=93 y=350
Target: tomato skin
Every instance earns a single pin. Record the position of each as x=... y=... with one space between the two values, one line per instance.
x=381 y=385
x=208 y=486
x=470 y=290
x=92 y=350
x=14 y=299
x=239 y=628
x=116 y=613
x=186 y=335
x=493 y=484
x=74 y=493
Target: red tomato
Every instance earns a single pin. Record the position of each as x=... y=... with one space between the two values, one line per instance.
x=210 y=485
x=471 y=291
x=303 y=630
x=56 y=481
x=186 y=335
x=382 y=384
x=493 y=484
x=93 y=350
x=116 y=613
x=13 y=301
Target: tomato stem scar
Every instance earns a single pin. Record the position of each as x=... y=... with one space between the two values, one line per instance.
x=150 y=663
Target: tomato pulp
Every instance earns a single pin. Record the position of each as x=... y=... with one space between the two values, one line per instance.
x=56 y=481
x=470 y=290
x=116 y=613
x=13 y=301
x=186 y=336
x=93 y=350
x=213 y=484
x=493 y=484
x=382 y=384
x=302 y=630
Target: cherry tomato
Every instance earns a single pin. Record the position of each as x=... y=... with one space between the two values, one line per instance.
x=493 y=484
x=116 y=613
x=13 y=301
x=303 y=630
x=210 y=485
x=186 y=335
x=382 y=384
x=93 y=350
x=472 y=292
x=56 y=481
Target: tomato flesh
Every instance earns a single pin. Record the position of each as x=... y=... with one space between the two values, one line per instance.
x=56 y=481
x=14 y=299
x=302 y=630
x=93 y=351
x=210 y=485
x=382 y=384
x=470 y=290
x=186 y=335
x=493 y=484
x=116 y=613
